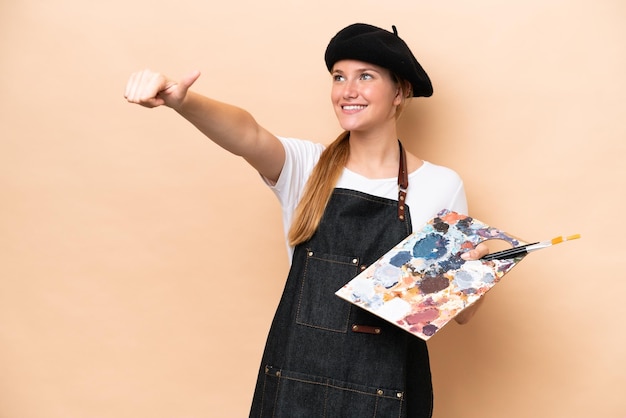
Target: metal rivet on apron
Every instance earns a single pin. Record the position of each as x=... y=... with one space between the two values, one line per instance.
x=267 y=369
x=380 y=392
x=278 y=373
x=355 y=260
x=399 y=395
x=310 y=253
x=363 y=267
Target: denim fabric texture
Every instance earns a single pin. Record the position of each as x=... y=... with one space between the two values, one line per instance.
x=314 y=363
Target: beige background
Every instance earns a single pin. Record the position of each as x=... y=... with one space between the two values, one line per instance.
x=140 y=265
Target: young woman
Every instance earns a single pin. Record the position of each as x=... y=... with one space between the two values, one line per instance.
x=344 y=205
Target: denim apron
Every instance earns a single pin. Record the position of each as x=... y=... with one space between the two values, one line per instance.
x=325 y=357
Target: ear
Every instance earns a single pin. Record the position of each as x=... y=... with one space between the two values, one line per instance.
x=399 y=97
x=404 y=90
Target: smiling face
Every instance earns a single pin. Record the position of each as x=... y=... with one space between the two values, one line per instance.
x=364 y=96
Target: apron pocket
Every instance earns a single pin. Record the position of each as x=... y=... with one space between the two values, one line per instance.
x=318 y=306
x=291 y=394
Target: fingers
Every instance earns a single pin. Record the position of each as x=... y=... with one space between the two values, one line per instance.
x=143 y=88
x=469 y=255
x=476 y=253
x=188 y=80
x=481 y=250
x=151 y=89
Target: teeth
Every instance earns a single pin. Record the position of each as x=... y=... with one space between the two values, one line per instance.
x=354 y=107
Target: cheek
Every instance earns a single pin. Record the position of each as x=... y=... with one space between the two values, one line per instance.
x=335 y=94
x=383 y=95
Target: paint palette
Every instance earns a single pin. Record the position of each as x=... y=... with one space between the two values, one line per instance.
x=423 y=283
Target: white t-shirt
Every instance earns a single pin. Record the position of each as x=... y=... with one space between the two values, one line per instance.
x=431 y=187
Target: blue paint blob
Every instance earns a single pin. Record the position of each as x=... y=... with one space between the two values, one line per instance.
x=453 y=263
x=431 y=247
x=463 y=280
x=465 y=225
x=400 y=259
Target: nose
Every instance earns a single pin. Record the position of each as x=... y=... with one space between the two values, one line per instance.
x=350 y=90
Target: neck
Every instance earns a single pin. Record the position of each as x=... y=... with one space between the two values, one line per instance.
x=374 y=157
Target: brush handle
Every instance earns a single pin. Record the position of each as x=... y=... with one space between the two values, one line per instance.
x=509 y=253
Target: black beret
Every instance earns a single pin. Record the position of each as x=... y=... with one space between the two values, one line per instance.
x=363 y=42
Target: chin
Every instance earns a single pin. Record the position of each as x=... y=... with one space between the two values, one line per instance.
x=349 y=125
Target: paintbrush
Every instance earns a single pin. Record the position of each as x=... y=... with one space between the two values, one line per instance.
x=525 y=249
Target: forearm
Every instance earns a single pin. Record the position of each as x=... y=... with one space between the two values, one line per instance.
x=235 y=130
x=230 y=127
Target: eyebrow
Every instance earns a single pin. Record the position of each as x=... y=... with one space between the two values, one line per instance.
x=358 y=70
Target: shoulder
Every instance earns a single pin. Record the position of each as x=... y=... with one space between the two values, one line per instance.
x=436 y=172
x=300 y=156
x=432 y=188
x=301 y=146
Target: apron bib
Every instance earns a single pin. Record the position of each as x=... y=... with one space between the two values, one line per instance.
x=325 y=357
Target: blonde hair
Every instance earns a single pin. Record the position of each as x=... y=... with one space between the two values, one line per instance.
x=324 y=177
x=318 y=189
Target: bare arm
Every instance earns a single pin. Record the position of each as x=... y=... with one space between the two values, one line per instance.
x=230 y=127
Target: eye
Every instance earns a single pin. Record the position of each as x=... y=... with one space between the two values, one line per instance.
x=338 y=77
x=366 y=76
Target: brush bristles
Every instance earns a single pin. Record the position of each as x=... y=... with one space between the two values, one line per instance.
x=571 y=237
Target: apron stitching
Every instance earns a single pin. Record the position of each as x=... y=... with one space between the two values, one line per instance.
x=278 y=375
x=375 y=407
x=327 y=384
x=310 y=255
x=304 y=271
